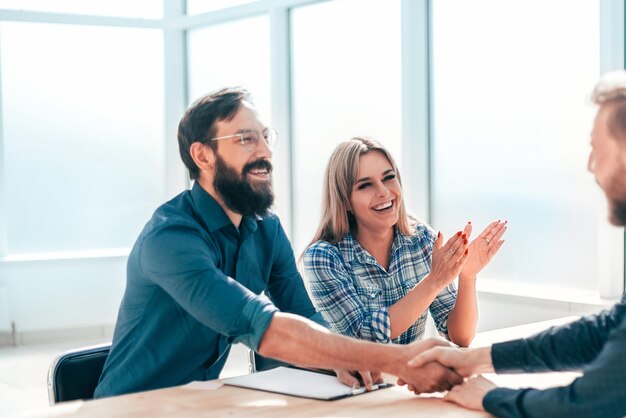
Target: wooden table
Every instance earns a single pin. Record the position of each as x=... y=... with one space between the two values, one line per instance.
x=238 y=402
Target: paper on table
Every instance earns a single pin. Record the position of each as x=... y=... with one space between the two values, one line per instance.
x=208 y=385
x=297 y=382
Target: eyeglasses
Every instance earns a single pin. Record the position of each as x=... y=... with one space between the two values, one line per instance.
x=249 y=139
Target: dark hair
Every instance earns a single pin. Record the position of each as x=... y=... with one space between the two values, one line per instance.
x=198 y=123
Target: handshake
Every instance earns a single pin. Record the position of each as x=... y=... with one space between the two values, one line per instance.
x=438 y=366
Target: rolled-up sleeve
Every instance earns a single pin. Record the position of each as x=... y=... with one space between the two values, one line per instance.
x=286 y=287
x=188 y=273
x=333 y=293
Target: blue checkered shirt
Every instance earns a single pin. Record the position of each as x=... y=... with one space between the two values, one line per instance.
x=353 y=292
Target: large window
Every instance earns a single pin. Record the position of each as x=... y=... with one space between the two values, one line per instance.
x=83 y=135
x=346 y=83
x=231 y=54
x=484 y=104
x=511 y=132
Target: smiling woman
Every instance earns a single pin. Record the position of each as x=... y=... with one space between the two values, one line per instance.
x=375 y=198
x=374 y=271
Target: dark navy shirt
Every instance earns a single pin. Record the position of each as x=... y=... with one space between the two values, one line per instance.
x=596 y=345
x=194 y=287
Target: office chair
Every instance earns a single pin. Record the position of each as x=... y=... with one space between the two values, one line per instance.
x=258 y=363
x=75 y=373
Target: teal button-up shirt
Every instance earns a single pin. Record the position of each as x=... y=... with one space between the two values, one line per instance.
x=194 y=287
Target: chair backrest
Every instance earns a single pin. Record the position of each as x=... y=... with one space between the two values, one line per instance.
x=258 y=363
x=75 y=374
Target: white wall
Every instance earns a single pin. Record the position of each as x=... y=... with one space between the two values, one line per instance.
x=501 y=310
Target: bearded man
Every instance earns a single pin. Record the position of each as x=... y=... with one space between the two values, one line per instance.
x=214 y=267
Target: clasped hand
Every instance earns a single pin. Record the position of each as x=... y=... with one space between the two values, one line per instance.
x=467 y=363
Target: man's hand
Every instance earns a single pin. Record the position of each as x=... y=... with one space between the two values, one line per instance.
x=470 y=394
x=431 y=377
x=466 y=362
x=357 y=378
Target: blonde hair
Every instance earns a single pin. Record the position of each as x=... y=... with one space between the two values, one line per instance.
x=339 y=178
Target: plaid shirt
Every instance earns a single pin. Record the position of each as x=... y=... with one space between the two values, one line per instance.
x=353 y=292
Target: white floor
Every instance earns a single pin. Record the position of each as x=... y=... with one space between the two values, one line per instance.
x=23 y=372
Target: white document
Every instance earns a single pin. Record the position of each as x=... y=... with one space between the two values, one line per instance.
x=297 y=382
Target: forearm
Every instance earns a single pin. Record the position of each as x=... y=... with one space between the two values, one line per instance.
x=407 y=310
x=463 y=318
x=299 y=341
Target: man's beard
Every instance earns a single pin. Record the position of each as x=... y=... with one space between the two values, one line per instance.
x=237 y=193
x=616 y=196
x=617 y=216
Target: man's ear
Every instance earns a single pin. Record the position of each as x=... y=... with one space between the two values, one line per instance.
x=202 y=155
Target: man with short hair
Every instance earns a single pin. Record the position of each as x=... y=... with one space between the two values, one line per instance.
x=214 y=267
x=595 y=344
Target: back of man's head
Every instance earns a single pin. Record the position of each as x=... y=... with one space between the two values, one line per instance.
x=198 y=123
x=611 y=91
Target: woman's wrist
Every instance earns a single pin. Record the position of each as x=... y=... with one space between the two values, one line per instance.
x=467 y=278
x=434 y=283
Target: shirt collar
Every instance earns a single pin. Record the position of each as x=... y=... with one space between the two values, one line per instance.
x=208 y=209
x=213 y=215
x=400 y=239
x=351 y=248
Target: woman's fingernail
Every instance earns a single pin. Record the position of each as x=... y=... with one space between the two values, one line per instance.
x=466 y=251
x=459 y=233
x=464 y=241
x=464 y=236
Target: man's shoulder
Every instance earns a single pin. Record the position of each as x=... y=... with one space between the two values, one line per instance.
x=175 y=214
